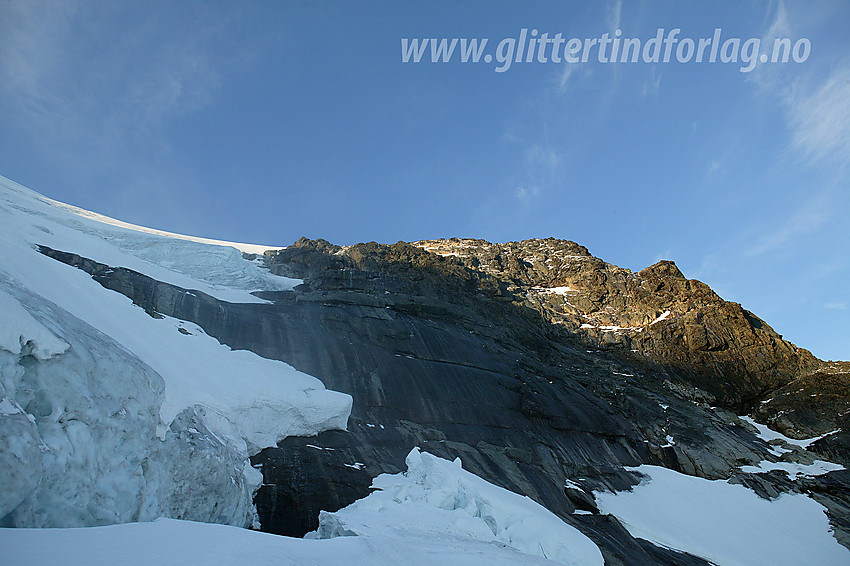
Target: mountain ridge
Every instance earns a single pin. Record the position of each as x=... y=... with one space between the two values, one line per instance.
x=737 y=359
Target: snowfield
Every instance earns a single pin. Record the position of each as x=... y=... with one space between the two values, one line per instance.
x=725 y=523
x=216 y=269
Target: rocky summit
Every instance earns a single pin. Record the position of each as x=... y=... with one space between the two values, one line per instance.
x=548 y=371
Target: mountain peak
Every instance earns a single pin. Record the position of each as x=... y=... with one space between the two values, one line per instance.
x=664 y=268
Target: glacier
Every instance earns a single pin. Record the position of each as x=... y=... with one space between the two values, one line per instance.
x=110 y=415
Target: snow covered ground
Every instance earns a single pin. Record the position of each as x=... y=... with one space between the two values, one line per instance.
x=728 y=523
x=168 y=542
x=793 y=469
x=725 y=523
x=247 y=248
x=435 y=513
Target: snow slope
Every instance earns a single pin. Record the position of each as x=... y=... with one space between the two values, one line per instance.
x=214 y=267
x=725 y=523
x=167 y=542
x=435 y=513
x=119 y=411
x=247 y=248
x=22 y=332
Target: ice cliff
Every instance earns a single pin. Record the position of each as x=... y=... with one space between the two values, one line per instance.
x=109 y=414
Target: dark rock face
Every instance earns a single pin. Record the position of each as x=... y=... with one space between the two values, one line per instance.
x=464 y=355
x=812 y=404
x=833 y=492
x=325 y=478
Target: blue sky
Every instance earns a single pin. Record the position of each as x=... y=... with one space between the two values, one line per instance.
x=265 y=121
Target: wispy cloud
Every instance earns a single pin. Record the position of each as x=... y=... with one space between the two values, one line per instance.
x=87 y=70
x=97 y=86
x=809 y=217
x=821 y=118
x=816 y=101
x=780 y=25
x=563 y=77
x=567 y=74
x=533 y=180
x=652 y=84
x=836 y=306
x=613 y=14
x=539 y=156
x=539 y=166
x=525 y=194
